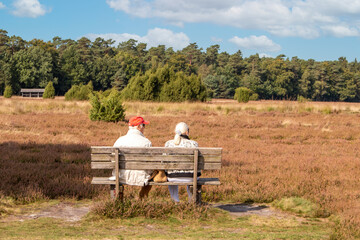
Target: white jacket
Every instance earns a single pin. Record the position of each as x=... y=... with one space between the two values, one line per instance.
x=133 y=138
x=184 y=143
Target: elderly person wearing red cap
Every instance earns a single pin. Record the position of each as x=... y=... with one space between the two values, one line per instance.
x=135 y=138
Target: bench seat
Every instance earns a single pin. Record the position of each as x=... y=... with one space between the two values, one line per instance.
x=201 y=181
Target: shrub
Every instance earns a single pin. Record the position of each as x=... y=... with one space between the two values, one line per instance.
x=254 y=97
x=242 y=94
x=8 y=92
x=49 y=91
x=165 y=85
x=79 y=92
x=107 y=108
x=302 y=99
x=156 y=210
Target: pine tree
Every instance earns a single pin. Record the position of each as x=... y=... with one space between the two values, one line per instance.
x=49 y=91
x=8 y=92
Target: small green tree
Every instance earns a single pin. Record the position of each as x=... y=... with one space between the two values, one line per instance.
x=254 y=97
x=49 y=91
x=79 y=92
x=242 y=94
x=71 y=94
x=8 y=92
x=107 y=108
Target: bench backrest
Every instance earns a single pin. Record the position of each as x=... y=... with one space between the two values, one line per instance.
x=160 y=158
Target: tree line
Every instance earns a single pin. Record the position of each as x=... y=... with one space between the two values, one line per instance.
x=161 y=74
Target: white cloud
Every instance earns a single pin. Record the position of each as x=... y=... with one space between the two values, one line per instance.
x=138 y=8
x=153 y=38
x=2 y=5
x=259 y=43
x=341 y=31
x=29 y=8
x=304 y=18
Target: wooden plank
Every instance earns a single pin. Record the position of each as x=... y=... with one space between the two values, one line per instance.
x=117 y=172
x=167 y=166
x=103 y=165
x=157 y=150
x=155 y=158
x=171 y=158
x=102 y=150
x=201 y=181
x=103 y=157
x=102 y=180
x=196 y=160
x=151 y=166
x=209 y=181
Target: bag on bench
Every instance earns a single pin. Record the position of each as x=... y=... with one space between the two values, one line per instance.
x=159 y=176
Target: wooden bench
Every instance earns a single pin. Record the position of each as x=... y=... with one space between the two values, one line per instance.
x=156 y=158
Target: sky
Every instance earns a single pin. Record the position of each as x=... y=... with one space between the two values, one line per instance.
x=307 y=29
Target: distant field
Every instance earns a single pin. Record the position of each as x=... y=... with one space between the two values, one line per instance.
x=271 y=150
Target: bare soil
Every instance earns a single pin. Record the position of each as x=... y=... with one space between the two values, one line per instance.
x=244 y=209
x=72 y=213
x=66 y=211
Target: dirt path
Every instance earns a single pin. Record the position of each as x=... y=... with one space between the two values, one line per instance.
x=71 y=212
x=243 y=209
x=65 y=211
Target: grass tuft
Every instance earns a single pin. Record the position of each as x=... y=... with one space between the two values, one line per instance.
x=297 y=205
x=154 y=210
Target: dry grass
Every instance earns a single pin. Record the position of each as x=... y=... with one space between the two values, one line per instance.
x=271 y=150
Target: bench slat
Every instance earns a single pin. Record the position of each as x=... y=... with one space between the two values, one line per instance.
x=157 y=150
x=155 y=165
x=148 y=158
x=102 y=165
x=201 y=181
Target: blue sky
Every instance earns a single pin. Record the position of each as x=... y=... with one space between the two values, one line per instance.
x=317 y=29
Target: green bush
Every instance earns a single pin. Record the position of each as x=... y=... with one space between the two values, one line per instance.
x=107 y=108
x=254 y=97
x=79 y=92
x=49 y=91
x=242 y=94
x=165 y=85
x=302 y=99
x=8 y=92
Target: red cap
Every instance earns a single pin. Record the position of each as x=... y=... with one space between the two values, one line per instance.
x=135 y=121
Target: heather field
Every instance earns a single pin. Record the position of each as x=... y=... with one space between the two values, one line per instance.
x=272 y=150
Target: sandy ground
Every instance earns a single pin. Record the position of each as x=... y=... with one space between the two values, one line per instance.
x=65 y=211
x=242 y=209
x=71 y=213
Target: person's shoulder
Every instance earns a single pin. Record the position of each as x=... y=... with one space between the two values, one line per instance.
x=119 y=141
x=194 y=143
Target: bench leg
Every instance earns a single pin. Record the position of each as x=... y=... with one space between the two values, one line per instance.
x=198 y=194
x=113 y=192
x=121 y=192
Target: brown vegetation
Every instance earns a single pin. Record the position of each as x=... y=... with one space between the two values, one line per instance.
x=271 y=150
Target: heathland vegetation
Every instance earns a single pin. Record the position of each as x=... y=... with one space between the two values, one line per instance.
x=66 y=63
x=297 y=156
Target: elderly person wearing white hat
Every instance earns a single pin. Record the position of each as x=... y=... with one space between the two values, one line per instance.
x=181 y=139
